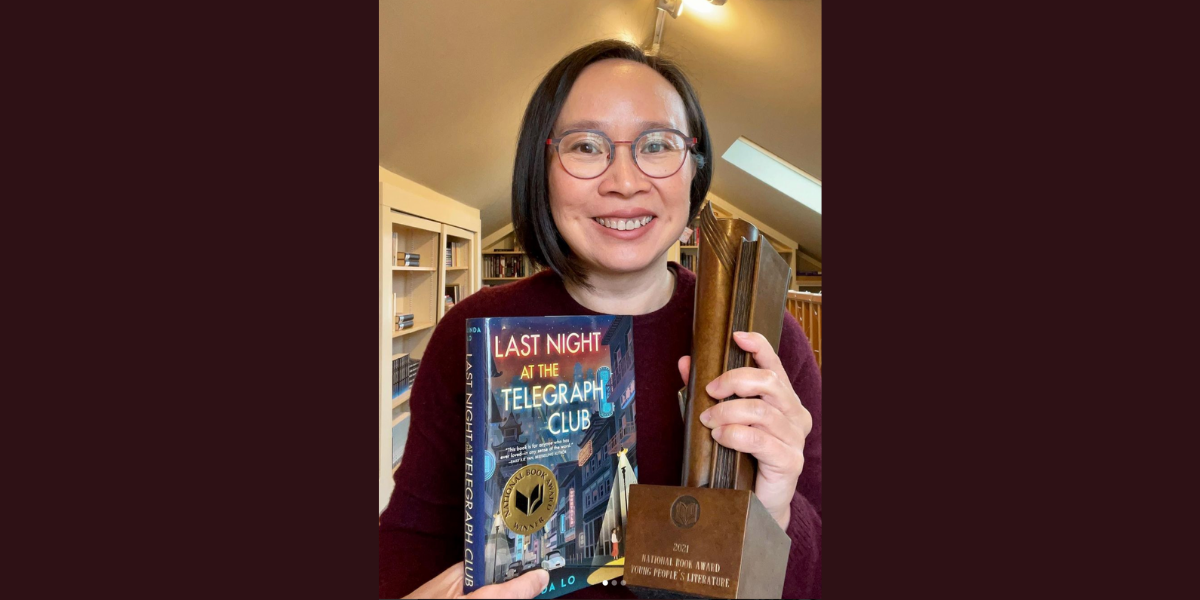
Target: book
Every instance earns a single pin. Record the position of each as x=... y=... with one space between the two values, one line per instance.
x=395 y=377
x=551 y=449
x=400 y=381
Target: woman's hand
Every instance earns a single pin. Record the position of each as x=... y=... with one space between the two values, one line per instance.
x=450 y=585
x=768 y=421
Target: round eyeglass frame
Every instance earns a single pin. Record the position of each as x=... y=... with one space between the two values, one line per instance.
x=553 y=143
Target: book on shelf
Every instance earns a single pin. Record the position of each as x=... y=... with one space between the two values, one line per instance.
x=399 y=374
x=452 y=295
x=407 y=259
x=449 y=254
x=395 y=377
x=503 y=266
x=551 y=448
x=395 y=246
x=404 y=321
x=688 y=238
x=688 y=261
x=411 y=375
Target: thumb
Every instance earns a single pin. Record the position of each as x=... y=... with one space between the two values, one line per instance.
x=526 y=586
x=685 y=365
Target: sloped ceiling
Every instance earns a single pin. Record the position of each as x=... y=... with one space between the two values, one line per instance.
x=454 y=78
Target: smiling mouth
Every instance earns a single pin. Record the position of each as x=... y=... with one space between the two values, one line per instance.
x=625 y=224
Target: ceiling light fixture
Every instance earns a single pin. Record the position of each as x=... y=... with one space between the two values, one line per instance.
x=673 y=8
x=775 y=172
x=670 y=7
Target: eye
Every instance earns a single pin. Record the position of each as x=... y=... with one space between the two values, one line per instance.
x=585 y=147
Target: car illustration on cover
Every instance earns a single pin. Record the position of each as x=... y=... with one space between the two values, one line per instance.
x=553 y=560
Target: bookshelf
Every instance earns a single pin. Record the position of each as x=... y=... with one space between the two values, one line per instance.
x=687 y=252
x=503 y=260
x=412 y=291
x=458 y=266
x=442 y=237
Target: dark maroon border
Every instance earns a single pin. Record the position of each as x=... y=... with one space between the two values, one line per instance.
x=222 y=296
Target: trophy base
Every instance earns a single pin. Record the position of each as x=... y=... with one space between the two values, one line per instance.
x=702 y=543
x=653 y=594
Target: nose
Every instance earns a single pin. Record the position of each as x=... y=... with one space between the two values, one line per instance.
x=623 y=176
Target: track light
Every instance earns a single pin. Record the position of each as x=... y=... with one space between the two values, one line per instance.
x=671 y=7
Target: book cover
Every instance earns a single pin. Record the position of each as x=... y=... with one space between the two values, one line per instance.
x=551 y=449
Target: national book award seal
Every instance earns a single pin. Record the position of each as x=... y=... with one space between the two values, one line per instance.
x=529 y=498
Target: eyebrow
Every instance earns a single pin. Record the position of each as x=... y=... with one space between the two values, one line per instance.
x=588 y=124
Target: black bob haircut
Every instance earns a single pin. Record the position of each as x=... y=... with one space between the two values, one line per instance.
x=533 y=224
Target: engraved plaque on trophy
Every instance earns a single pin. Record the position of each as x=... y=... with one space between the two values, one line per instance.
x=712 y=537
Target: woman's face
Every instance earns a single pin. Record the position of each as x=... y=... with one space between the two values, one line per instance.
x=622 y=99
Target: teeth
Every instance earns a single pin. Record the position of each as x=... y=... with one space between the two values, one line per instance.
x=624 y=224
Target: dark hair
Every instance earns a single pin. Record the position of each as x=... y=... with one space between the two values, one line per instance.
x=532 y=222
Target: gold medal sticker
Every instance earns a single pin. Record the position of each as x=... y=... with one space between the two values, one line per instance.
x=529 y=499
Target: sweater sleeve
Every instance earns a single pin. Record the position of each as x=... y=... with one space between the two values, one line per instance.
x=803 y=579
x=421 y=530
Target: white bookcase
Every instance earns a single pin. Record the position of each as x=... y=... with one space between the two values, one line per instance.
x=414 y=219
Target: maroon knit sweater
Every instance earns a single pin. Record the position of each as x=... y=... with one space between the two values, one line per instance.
x=421 y=531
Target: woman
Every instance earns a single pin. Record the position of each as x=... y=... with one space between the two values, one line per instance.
x=603 y=222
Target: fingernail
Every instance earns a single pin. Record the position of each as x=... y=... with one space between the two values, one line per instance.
x=716 y=433
x=704 y=416
x=544 y=575
x=710 y=387
x=741 y=335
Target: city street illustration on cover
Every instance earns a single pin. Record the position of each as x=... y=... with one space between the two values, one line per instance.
x=559 y=393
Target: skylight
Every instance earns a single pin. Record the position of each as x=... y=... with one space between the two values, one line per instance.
x=775 y=172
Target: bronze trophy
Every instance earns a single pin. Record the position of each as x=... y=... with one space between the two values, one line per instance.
x=712 y=537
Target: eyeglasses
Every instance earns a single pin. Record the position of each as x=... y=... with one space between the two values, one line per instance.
x=587 y=153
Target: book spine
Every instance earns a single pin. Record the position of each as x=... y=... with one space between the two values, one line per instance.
x=475 y=532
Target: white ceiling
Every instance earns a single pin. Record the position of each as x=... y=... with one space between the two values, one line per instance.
x=455 y=76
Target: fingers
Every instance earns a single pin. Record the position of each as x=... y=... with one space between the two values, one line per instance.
x=749 y=382
x=770 y=451
x=755 y=413
x=527 y=585
x=685 y=367
x=764 y=355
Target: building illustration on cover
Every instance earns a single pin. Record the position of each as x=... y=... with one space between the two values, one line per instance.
x=588 y=444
